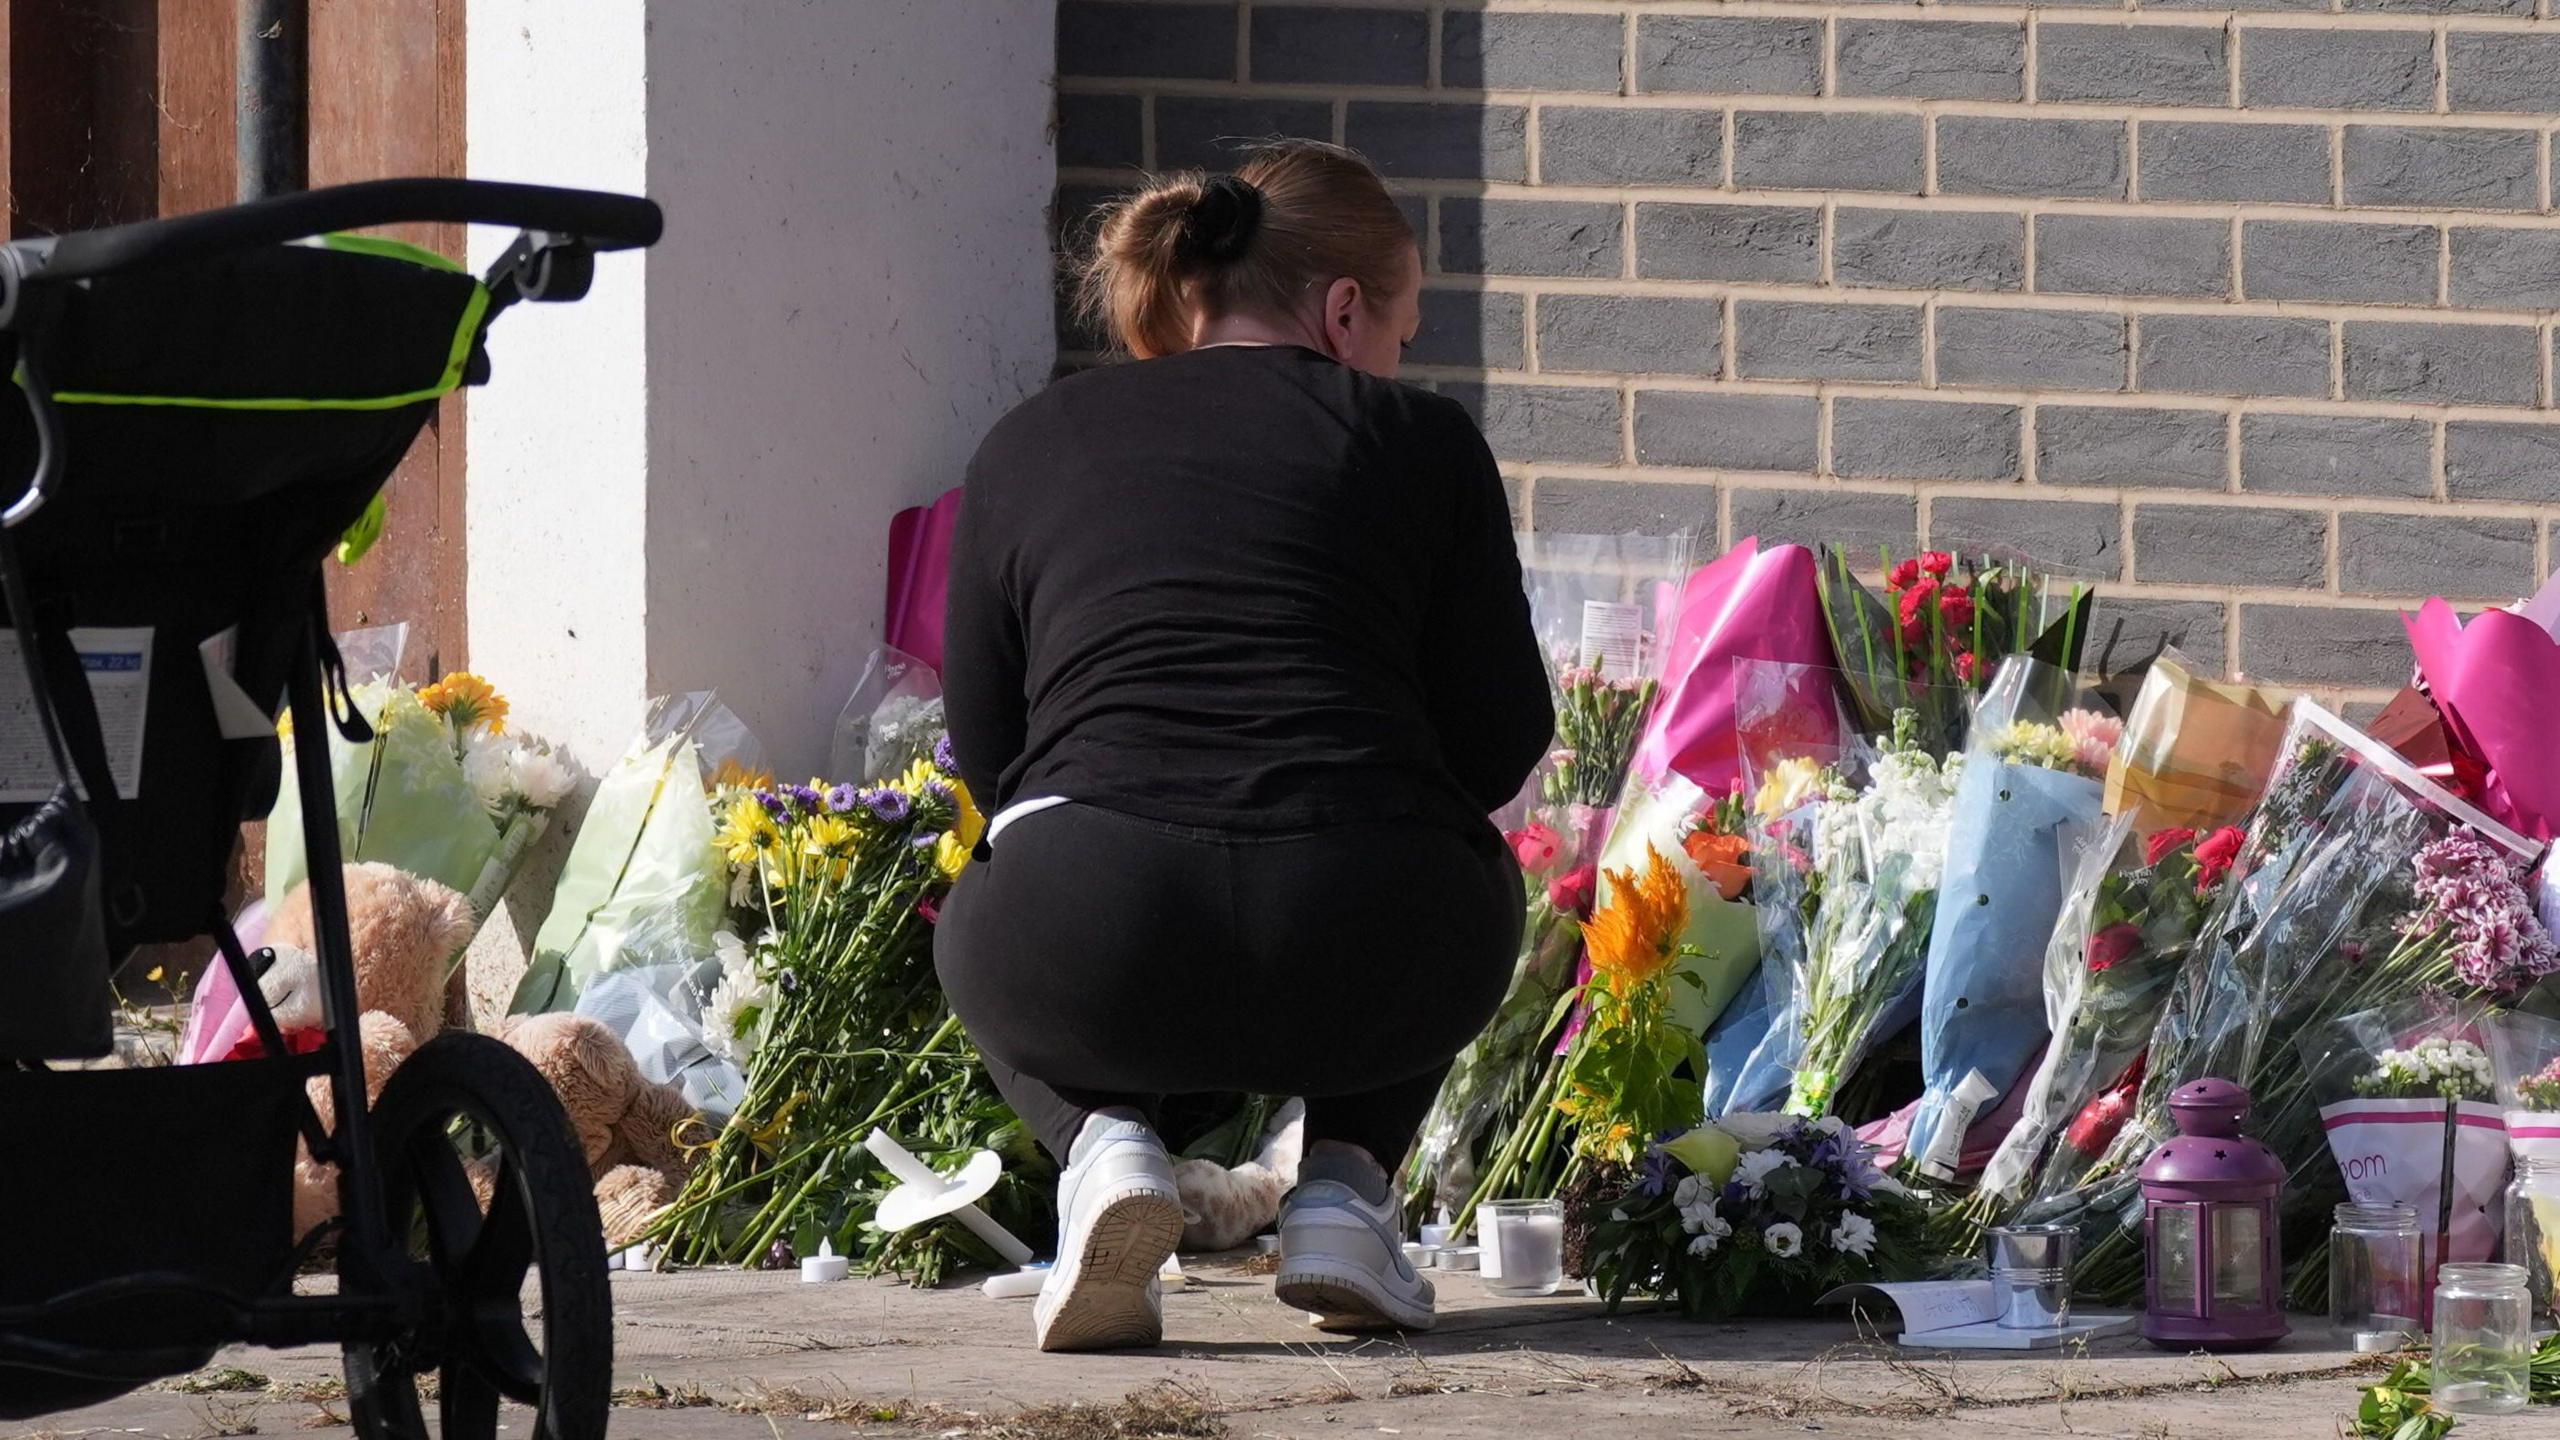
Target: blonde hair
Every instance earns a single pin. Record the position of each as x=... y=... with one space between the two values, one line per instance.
x=1193 y=246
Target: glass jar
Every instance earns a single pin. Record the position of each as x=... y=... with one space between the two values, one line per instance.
x=2374 y=1291
x=2533 y=1231
x=1522 y=1243
x=2484 y=1339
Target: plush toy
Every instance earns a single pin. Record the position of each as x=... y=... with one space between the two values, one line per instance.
x=627 y=1122
x=1223 y=1208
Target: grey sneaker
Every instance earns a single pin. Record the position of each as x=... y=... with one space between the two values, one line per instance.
x=1119 y=1216
x=1342 y=1261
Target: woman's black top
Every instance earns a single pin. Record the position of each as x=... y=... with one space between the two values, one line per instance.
x=1245 y=588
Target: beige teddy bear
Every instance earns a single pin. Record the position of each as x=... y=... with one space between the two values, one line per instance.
x=629 y=1124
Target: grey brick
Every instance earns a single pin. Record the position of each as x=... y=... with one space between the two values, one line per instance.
x=2439 y=166
x=1199 y=132
x=2457 y=556
x=1986 y=155
x=2508 y=269
x=2233 y=355
x=2229 y=545
x=2503 y=72
x=2336 y=455
x=1625 y=507
x=2124 y=633
x=1416 y=140
x=1727 y=431
x=1531 y=237
x=2141 y=64
x=2313 y=645
x=1075 y=211
x=1855 y=520
x=1728 y=242
x=1175 y=42
x=1809 y=150
x=1505 y=50
x=2445 y=7
x=1544 y=422
x=1718 y=55
x=2037 y=349
x=1800 y=340
x=2082 y=538
x=2312 y=260
x=2338 y=69
x=2114 y=445
x=1933 y=60
x=2122 y=255
x=2496 y=460
x=1923 y=440
x=1100 y=130
x=1608 y=145
x=2271 y=164
x=1469 y=327
x=2443 y=364
x=1626 y=332
x=1929 y=249
x=1329 y=46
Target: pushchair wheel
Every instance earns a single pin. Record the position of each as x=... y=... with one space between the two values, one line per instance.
x=485 y=1184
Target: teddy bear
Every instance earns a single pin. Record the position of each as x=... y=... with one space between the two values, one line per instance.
x=404 y=930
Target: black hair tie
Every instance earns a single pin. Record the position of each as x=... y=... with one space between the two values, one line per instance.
x=1220 y=225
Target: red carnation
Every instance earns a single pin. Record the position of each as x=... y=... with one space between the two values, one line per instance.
x=2165 y=843
x=1967 y=666
x=1571 y=892
x=1903 y=574
x=1937 y=562
x=1956 y=604
x=2215 y=855
x=2112 y=945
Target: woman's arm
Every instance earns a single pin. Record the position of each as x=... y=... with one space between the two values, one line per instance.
x=982 y=660
x=1486 y=682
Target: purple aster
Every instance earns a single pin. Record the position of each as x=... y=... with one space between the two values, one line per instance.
x=889 y=803
x=939 y=793
x=942 y=752
x=808 y=801
x=1654 y=1176
x=842 y=798
x=926 y=839
x=774 y=807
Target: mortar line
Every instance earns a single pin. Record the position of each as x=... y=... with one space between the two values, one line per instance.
x=2444 y=266
x=1244 y=42
x=1432 y=23
x=1628 y=54
x=2439 y=481
x=2337 y=360
x=2133 y=162
x=2231 y=60
x=2332 y=15
x=2231 y=455
x=2444 y=68
x=2330 y=563
x=1147 y=132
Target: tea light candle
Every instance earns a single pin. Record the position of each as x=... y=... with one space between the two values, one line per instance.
x=824 y=1266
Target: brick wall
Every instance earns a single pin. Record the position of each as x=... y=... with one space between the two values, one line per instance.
x=2245 y=309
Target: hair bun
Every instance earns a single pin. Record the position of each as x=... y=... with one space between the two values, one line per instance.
x=1220 y=225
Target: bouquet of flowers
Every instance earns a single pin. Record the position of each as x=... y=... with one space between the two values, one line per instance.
x=2196 y=752
x=1597 y=602
x=834 y=1007
x=2028 y=801
x=2526 y=1052
x=1940 y=631
x=644 y=882
x=2360 y=884
x=2409 y=1104
x=2129 y=920
x=1705 y=840
x=1876 y=857
x=1753 y=1214
x=892 y=718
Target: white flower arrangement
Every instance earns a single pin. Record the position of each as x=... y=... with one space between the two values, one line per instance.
x=1784 y=1240
x=2436 y=1066
x=1755 y=1167
x=1854 y=1235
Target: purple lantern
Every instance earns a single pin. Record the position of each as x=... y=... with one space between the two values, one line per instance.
x=2209 y=1232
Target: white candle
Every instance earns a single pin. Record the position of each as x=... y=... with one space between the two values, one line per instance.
x=1532 y=1250
x=824 y=1266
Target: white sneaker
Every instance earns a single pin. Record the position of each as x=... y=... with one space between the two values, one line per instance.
x=1342 y=1261
x=1119 y=1216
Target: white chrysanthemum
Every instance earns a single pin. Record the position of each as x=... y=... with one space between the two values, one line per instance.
x=1685 y=1194
x=733 y=1015
x=1854 y=1235
x=1754 y=1169
x=1710 y=1235
x=1699 y=1217
x=485 y=760
x=541 y=775
x=1784 y=1240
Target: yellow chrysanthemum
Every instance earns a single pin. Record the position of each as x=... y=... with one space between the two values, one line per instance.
x=828 y=835
x=747 y=832
x=971 y=825
x=917 y=776
x=951 y=855
x=1635 y=936
x=467 y=700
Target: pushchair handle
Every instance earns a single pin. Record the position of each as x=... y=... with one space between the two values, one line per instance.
x=598 y=219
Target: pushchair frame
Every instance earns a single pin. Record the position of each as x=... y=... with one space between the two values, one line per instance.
x=397 y=1313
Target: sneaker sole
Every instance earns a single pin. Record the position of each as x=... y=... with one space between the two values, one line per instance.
x=1112 y=1302
x=1339 y=1295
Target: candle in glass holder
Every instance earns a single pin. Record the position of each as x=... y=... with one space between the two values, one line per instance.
x=1527 y=1236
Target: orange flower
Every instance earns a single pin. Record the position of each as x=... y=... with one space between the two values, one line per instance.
x=1726 y=859
x=1634 y=938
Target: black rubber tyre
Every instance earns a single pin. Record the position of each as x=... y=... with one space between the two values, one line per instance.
x=466 y=1103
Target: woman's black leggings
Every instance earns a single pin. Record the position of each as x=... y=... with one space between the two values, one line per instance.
x=1101 y=960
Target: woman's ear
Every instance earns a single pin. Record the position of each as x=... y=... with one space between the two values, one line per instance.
x=1341 y=317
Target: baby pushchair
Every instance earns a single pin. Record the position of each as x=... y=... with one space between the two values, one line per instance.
x=201 y=408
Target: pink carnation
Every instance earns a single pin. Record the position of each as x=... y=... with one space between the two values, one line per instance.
x=2093 y=738
x=2468 y=892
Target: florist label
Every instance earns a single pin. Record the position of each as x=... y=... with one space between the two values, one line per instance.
x=1612 y=636
x=118 y=664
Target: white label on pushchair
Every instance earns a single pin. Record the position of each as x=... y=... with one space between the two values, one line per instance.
x=118 y=663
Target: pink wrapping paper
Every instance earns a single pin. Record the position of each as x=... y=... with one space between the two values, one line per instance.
x=2493 y=680
x=1749 y=604
x=216 y=1015
x=919 y=573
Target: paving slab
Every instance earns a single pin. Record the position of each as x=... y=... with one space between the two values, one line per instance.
x=716 y=1354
